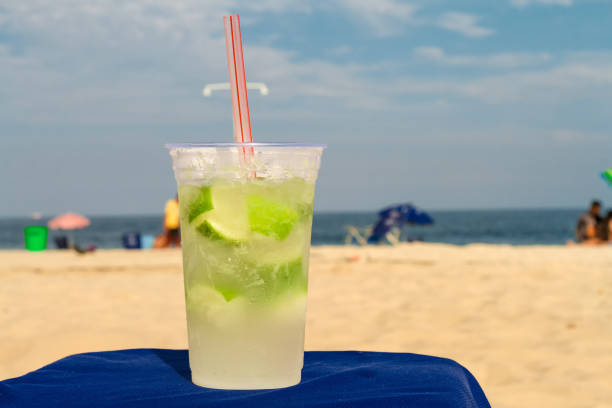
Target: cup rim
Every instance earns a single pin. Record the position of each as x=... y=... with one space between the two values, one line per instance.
x=172 y=146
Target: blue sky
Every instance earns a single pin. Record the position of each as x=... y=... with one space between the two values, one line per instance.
x=448 y=104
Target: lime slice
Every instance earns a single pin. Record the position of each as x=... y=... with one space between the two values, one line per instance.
x=227 y=220
x=230 y=232
x=194 y=201
x=283 y=277
x=228 y=292
x=270 y=217
x=208 y=304
x=200 y=298
x=268 y=250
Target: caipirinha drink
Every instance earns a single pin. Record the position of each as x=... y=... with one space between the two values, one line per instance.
x=246 y=216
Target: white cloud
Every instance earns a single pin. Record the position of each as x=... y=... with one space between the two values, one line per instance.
x=502 y=60
x=569 y=80
x=148 y=62
x=144 y=62
x=525 y=3
x=463 y=23
x=385 y=17
x=273 y=5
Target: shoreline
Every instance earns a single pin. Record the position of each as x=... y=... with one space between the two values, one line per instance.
x=316 y=246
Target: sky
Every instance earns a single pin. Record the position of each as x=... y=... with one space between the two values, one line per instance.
x=443 y=103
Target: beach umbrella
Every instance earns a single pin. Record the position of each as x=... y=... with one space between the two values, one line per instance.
x=418 y=217
x=405 y=213
x=395 y=211
x=396 y=217
x=607 y=176
x=69 y=221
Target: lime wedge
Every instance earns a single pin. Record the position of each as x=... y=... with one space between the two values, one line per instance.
x=194 y=201
x=270 y=217
x=208 y=304
x=227 y=220
x=283 y=277
x=270 y=251
x=219 y=231
x=201 y=297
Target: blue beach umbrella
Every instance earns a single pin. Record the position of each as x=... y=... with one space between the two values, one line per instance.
x=406 y=213
x=420 y=218
x=396 y=217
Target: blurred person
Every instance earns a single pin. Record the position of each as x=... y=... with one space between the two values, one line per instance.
x=588 y=225
x=161 y=241
x=605 y=229
x=171 y=223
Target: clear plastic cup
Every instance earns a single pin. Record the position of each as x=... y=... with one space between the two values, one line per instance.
x=246 y=218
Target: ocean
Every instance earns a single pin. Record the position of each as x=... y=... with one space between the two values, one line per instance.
x=513 y=227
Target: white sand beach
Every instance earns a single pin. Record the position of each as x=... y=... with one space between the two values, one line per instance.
x=533 y=324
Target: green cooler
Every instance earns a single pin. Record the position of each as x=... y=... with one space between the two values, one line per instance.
x=35 y=237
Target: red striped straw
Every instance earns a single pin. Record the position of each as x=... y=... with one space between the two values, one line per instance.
x=235 y=64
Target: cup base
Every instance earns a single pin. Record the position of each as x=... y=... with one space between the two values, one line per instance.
x=247 y=384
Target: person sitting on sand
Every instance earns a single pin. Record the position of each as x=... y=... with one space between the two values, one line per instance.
x=587 y=225
x=171 y=223
x=605 y=229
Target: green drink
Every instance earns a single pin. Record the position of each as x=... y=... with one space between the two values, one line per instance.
x=246 y=217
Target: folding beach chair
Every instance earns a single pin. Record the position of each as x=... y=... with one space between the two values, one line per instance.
x=131 y=240
x=61 y=242
x=389 y=225
x=364 y=236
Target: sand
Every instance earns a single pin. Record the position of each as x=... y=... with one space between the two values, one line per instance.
x=533 y=324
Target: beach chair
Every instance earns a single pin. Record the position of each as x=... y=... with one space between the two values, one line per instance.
x=131 y=240
x=61 y=242
x=389 y=225
x=370 y=235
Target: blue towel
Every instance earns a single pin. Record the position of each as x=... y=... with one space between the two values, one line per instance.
x=161 y=378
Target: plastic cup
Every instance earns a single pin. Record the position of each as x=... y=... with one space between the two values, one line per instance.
x=35 y=237
x=246 y=218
